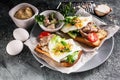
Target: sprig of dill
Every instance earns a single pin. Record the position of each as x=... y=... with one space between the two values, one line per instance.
x=67 y=10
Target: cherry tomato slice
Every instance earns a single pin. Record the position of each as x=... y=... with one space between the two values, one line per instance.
x=43 y=34
x=92 y=37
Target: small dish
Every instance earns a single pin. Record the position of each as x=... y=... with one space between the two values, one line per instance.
x=59 y=17
x=23 y=23
x=102 y=10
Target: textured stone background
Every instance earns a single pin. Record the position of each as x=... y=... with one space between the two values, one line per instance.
x=25 y=67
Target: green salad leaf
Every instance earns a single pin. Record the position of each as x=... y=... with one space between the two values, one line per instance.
x=72 y=58
x=73 y=34
x=69 y=20
x=55 y=39
x=60 y=44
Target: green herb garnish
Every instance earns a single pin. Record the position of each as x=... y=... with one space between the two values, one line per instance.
x=39 y=18
x=69 y=20
x=64 y=43
x=67 y=10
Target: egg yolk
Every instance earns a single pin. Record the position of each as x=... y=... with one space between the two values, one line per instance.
x=68 y=25
x=61 y=48
x=78 y=22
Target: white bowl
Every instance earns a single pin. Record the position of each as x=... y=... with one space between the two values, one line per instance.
x=26 y=22
x=102 y=10
x=58 y=15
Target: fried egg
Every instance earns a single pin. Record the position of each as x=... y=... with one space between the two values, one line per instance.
x=83 y=22
x=54 y=44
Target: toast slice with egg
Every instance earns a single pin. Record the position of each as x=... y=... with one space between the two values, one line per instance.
x=58 y=51
x=50 y=59
x=101 y=36
x=84 y=30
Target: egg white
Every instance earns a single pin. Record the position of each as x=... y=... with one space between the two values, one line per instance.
x=75 y=47
x=66 y=28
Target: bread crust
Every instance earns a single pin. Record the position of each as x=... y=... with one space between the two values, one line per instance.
x=101 y=35
x=86 y=42
x=63 y=63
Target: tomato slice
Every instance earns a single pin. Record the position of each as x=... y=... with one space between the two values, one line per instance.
x=92 y=37
x=43 y=34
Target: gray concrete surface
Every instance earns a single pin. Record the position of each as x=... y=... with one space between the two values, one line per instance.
x=25 y=67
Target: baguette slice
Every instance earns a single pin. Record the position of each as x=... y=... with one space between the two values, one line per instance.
x=101 y=35
x=46 y=57
x=86 y=42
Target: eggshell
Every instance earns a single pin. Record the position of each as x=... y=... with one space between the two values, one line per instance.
x=14 y=47
x=21 y=34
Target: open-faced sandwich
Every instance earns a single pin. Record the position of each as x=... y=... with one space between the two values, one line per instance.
x=64 y=52
x=84 y=30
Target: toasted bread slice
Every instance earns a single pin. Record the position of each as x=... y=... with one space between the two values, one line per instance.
x=85 y=41
x=63 y=63
x=101 y=35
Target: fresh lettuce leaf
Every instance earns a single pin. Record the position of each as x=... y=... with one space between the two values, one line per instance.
x=56 y=39
x=73 y=34
x=72 y=57
x=60 y=44
x=69 y=19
